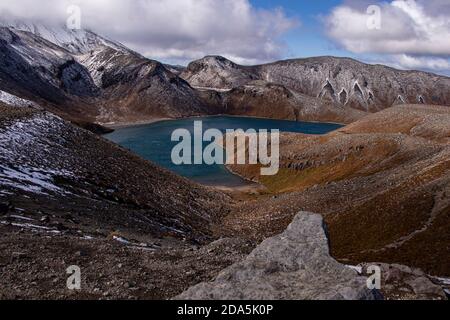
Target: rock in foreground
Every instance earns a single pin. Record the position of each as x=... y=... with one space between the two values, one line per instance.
x=294 y=265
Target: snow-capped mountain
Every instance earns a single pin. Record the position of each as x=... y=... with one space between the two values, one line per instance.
x=39 y=70
x=83 y=76
x=76 y=41
x=341 y=81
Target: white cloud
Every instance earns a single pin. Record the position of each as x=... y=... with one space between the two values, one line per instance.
x=412 y=34
x=407 y=62
x=410 y=62
x=406 y=27
x=178 y=30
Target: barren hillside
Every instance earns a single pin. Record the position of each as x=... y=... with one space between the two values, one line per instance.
x=382 y=184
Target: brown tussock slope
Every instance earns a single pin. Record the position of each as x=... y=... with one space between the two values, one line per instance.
x=382 y=183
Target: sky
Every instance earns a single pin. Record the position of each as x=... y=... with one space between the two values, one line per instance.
x=411 y=34
x=406 y=34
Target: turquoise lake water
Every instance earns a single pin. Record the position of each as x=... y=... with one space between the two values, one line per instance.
x=153 y=142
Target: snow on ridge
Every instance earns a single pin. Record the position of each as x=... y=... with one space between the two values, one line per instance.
x=75 y=41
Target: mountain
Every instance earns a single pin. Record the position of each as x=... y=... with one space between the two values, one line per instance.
x=85 y=77
x=243 y=90
x=77 y=41
x=332 y=87
x=217 y=72
x=135 y=88
x=358 y=85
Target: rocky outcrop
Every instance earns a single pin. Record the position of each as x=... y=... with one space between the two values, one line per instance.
x=134 y=88
x=218 y=73
x=293 y=265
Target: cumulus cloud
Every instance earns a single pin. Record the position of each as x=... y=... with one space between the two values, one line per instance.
x=411 y=62
x=405 y=27
x=408 y=62
x=176 y=30
x=414 y=34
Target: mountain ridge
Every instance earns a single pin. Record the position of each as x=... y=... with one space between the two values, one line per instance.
x=102 y=84
x=87 y=78
x=344 y=81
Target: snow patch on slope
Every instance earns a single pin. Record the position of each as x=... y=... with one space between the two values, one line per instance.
x=21 y=139
x=15 y=101
x=75 y=41
x=29 y=179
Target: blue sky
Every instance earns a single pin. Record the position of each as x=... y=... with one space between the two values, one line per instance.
x=308 y=38
x=414 y=34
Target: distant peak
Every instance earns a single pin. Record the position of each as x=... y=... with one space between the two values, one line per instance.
x=77 y=41
x=216 y=57
x=216 y=61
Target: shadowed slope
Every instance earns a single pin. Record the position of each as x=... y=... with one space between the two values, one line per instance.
x=53 y=168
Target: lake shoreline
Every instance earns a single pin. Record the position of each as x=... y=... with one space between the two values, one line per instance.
x=151 y=141
x=123 y=125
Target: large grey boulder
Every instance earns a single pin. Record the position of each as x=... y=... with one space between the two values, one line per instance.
x=294 y=265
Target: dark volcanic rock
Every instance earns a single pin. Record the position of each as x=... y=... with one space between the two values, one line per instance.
x=5 y=207
x=382 y=183
x=270 y=100
x=135 y=88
